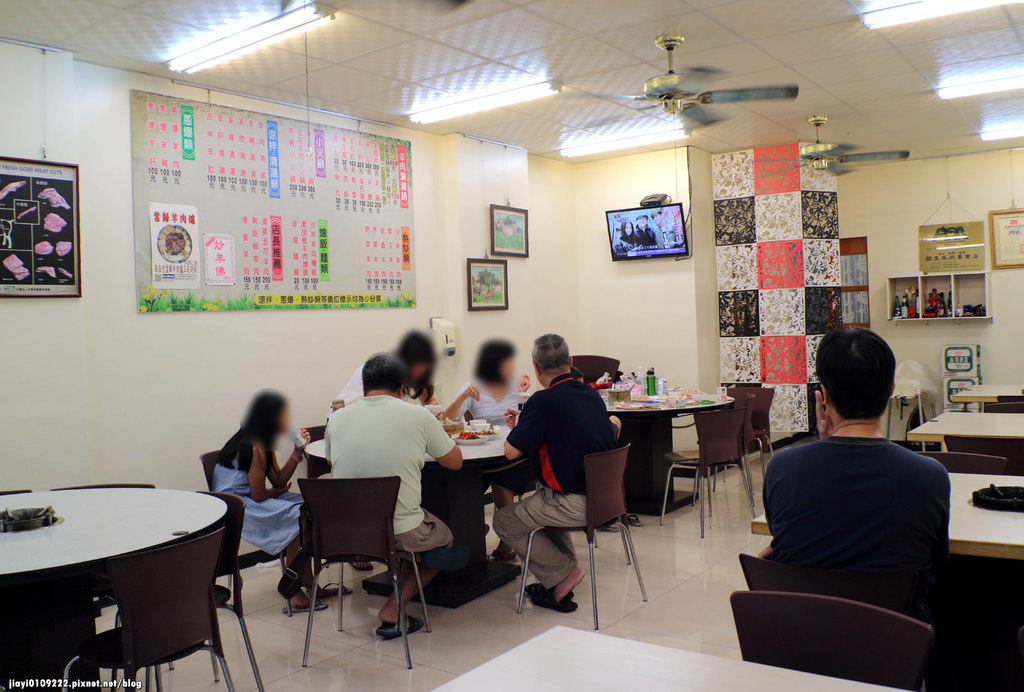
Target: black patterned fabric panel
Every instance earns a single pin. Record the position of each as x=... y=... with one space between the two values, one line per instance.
x=823 y=308
x=738 y=313
x=820 y=214
x=734 y=221
x=812 y=418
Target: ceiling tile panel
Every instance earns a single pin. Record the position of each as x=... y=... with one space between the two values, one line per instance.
x=140 y=37
x=877 y=63
x=563 y=61
x=338 y=84
x=264 y=66
x=976 y=70
x=415 y=61
x=217 y=18
x=701 y=33
x=346 y=37
x=598 y=16
x=846 y=38
x=404 y=100
x=946 y=27
x=483 y=79
x=421 y=17
x=509 y=33
x=981 y=45
x=762 y=18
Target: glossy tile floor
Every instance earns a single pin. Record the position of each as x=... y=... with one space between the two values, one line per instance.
x=688 y=582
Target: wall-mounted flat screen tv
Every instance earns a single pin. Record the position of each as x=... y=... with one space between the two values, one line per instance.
x=647 y=232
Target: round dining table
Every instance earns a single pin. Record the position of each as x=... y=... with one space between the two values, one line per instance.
x=45 y=573
x=457 y=499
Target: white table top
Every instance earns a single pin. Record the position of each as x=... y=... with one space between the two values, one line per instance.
x=969 y=425
x=491 y=449
x=102 y=523
x=569 y=659
x=988 y=393
x=693 y=408
x=972 y=530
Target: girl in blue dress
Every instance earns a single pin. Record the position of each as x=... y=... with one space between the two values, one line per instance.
x=243 y=468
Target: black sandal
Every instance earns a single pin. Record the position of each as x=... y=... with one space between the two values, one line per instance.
x=391 y=630
x=543 y=598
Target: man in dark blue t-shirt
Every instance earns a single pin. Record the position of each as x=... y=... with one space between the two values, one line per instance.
x=854 y=500
x=558 y=427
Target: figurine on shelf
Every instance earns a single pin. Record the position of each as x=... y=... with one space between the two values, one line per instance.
x=943 y=305
x=973 y=311
x=911 y=301
x=959 y=312
x=934 y=308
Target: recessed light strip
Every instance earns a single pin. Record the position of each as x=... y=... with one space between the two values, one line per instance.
x=271 y=31
x=990 y=86
x=605 y=145
x=907 y=12
x=1004 y=133
x=484 y=103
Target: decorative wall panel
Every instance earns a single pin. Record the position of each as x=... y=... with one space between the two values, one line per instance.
x=777 y=230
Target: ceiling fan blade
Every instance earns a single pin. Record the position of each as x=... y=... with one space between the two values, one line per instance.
x=697 y=77
x=752 y=94
x=874 y=156
x=838 y=169
x=696 y=116
x=817 y=150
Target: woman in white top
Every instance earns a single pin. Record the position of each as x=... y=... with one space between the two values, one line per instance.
x=416 y=350
x=487 y=396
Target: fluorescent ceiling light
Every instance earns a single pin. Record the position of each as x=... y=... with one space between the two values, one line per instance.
x=271 y=31
x=1004 y=133
x=989 y=86
x=484 y=103
x=601 y=146
x=909 y=11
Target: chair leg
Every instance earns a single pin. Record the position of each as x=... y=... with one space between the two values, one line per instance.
x=284 y=568
x=750 y=492
x=700 y=495
x=708 y=483
x=149 y=675
x=526 y=568
x=67 y=672
x=593 y=582
x=248 y=649
x=227 y=674
x=669 y=486
x=341 y=587
x=625 y=546
x=213 y=663
x=423 y=596
x=159 y=680
x=714 y=480
x=309 y=620
x=402 y=621
x=760 y=449
x=170 y=665
x=636 y=565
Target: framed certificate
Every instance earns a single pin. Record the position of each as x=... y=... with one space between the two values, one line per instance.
x=1007 y=228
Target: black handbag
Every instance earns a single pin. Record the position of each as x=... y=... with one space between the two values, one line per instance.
x=291 y=580
x=1005 y=498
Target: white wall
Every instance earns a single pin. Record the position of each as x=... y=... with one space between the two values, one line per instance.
x=888 y=202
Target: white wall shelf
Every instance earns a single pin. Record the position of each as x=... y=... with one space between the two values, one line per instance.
x=960 y=288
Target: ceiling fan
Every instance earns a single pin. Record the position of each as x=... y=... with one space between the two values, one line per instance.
x=833 y=157
x=679 y=93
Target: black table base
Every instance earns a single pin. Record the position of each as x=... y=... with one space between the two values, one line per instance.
x=456 y=498
x=650 y=437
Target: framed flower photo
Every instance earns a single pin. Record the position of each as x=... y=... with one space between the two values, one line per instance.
x=510 y=232
x=487 y=284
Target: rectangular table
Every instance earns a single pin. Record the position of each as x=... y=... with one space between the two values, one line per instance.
x=969 y=425
x=568 y=659
x=972 y=531
x=987 y=393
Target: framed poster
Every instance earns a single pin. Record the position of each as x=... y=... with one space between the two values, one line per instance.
x=951 y=247
x=39 y=223
x=510 y=232
x=487 y=284
x=1007 y=229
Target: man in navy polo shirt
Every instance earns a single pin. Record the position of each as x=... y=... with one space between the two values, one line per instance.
x=558 y=426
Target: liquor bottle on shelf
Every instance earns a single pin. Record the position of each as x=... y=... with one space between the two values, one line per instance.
x=905 y=308
x=896 y=312
x=943 y=311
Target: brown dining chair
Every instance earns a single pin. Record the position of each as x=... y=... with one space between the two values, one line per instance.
x=762 y=421
x=316 y=432
x=1010 y=398
x=14 y=492
x=832 y=636
x=103 y=486
x=893 y=591
x=719 y=440
x=167 y=607
x=315 y=466
x=1010 y=448
x=1005 y=407
x=964 y=462
x=353 y=520
x=593 y=367
x=231 y=599
x=606 y=506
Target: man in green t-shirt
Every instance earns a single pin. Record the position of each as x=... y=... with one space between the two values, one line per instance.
x=381 y=435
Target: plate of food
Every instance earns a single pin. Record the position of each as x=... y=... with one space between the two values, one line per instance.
x=472 y=438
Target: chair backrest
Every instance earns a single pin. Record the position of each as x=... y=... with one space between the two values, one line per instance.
x=101 y=486
x=1010 y=399
x=831 y=636
x=718 y=435
x=965 y=462
x=760 y=417
x=14 y=492
x=234 y=519
x=316 y=432
x=1005 y=407
x=209 y=462
x=352 y=516
x=745 y=400
x=165 y=598
x=593 y=367
x=606 y=496
x=893 y=591
x=1010 y=448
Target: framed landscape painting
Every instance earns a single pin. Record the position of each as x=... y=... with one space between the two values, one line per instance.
x=510 y=232
x=487 y=284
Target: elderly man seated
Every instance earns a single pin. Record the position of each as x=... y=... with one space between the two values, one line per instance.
x=557 y=428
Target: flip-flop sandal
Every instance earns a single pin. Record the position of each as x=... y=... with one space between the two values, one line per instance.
x=331 y=590
x=362 y=566
x=633 y=520
x=502 y=555
x=391 y=630
x=320 y=605
x=538 y=588
x=450 y=558
x=547 y=600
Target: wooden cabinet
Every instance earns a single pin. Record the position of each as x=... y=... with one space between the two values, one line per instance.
x=961 y=290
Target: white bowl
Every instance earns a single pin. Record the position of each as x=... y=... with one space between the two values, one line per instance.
x=478 y=425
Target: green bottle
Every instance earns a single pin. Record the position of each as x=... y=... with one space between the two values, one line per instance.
x=652 y=383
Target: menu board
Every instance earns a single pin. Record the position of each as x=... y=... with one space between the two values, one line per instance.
x=39 y=229
x=237 y=210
